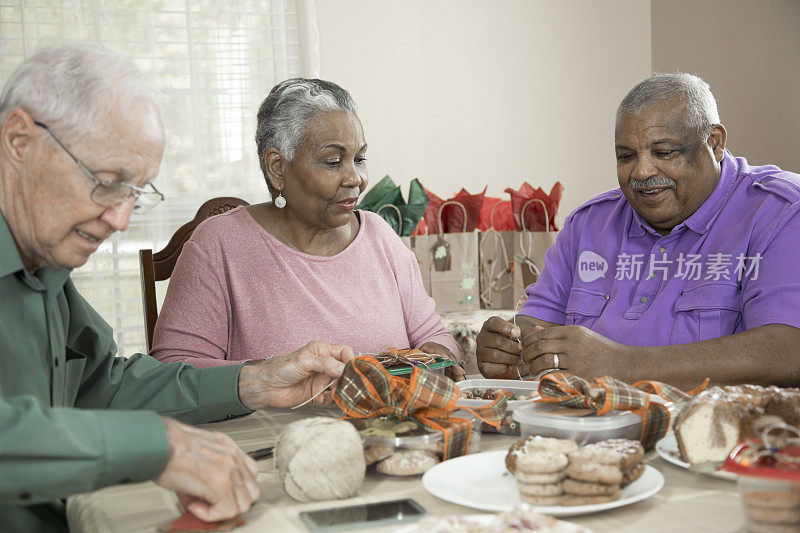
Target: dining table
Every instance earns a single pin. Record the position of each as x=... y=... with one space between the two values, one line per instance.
x=687 y=502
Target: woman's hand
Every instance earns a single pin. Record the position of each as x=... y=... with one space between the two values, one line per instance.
x=289 y=380
x=454 y=372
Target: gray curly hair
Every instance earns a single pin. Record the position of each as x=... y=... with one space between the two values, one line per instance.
x=701 y=106
x=284 y=114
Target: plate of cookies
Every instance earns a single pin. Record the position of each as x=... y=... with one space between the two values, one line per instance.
x=556 y=476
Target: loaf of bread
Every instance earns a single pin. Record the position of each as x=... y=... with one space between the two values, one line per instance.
x=716 y=420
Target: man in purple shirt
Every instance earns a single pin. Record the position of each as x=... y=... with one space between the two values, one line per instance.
x=687 y=271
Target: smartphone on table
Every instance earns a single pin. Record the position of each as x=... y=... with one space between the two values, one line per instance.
x=375 y=514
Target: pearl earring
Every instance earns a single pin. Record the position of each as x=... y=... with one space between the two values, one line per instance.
x=280 y=201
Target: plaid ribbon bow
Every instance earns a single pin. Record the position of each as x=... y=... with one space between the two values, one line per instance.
x=367 y=390
x=609 y=394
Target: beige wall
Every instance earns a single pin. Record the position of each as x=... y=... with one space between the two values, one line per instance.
x=474 y=92
x=749 y=52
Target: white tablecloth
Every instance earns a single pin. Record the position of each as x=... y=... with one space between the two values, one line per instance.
x=688 y=502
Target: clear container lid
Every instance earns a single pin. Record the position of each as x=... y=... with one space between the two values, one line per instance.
x=538 y=414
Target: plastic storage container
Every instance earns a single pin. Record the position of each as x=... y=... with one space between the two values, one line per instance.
x=516 y=387
x=422 y=438
x=769 y=485
x=534 y=419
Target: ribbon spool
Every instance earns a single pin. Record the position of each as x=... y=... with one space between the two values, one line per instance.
x=399 y=216
x=526 y=257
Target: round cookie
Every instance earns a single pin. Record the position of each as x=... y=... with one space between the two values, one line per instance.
x=542 y=501
x=761 y=527
x=536 y=443
x=537 y=489
x=407 y=463
x=524 y=477
x=772 y=498
x=571 y=499
x=632 y=474
x=595 y=473
x=774 y=515
x=584 y=488
x=602 y=456
x=376 y=452
x=541 y=462
x=631 y=451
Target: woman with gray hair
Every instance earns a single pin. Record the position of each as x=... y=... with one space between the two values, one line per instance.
x=256 y=281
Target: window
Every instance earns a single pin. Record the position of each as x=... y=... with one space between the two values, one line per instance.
x=214 y=62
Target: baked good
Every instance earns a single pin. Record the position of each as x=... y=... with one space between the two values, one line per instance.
x=586 y=488
x=595 y=473
x=536 y=443
x=375 y=452
x=630 y=451
x=710 y=424
x=632 y=474
x=407 y=463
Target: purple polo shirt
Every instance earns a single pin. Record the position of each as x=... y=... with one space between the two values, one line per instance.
x=733 y=265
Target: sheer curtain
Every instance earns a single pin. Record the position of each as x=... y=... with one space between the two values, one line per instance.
x=214 y=62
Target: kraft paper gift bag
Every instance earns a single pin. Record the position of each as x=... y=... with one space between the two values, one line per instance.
x=495 y=255
x=454 y=267
x=529 y=251
x=419 y=244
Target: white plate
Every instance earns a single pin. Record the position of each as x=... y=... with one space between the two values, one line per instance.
x=667 y=449
x=481 y=481
x=486 y=520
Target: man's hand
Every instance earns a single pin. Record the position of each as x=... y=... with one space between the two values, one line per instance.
x=580 y=350
x=214 y=478
x=454 y=372
x=498 y=348
x=289 y=380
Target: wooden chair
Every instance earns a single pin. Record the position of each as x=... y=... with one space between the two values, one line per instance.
x=158 y=266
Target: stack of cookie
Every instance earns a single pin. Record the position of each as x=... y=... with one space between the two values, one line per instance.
x=538 y=463
x=772 y=511
x=558 y=472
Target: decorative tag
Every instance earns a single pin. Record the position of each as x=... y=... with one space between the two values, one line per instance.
x=441 y=255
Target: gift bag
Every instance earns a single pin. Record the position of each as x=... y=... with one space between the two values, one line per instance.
x=454 y=266
x=419 y=244
x=530 y=248
x=495 y=257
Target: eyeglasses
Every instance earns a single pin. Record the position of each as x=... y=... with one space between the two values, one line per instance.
x=111 y=193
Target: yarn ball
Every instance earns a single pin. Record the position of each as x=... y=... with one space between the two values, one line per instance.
x=320 y=458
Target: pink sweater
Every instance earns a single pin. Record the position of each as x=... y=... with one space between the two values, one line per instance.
x=238 y=293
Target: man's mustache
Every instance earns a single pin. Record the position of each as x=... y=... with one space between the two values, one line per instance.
x=651 y=183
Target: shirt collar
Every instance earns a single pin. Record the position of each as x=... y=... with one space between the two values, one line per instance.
x=10 y=260
x=700 y=220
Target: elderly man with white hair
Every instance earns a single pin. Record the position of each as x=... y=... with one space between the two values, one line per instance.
x=688 y=270
x=81 y=140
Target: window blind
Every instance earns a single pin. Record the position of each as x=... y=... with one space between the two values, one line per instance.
x=214 y=62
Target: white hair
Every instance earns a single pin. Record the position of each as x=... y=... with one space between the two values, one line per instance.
x=73 y=88
x=284 y=115
x=693 y=92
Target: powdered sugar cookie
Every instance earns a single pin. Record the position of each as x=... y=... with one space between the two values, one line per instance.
x=524 y=477
x=585 y=488
x=602 y=456
x=541 y=462
x=632 y=474
x=631 y=451
x=595 y=473
x=536 y=489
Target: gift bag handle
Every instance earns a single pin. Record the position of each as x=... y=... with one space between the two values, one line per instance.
x=399 y=216
x=491 y=213
x=463 y=210
x=522 y=214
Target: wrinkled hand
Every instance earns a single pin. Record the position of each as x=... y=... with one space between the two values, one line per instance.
x=454 y=372
x=498 y=349
x=289 y=380
x=214 y=478
x=580 y=350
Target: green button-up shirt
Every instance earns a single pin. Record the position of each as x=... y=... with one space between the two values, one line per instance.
x=73 y=417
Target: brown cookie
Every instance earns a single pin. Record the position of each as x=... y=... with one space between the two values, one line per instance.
x=571 y=499
x=585 y=488
x=632 y=474
x=407 y=463
x=535 y=489
x=376 y=452
x=542 y=501
x=631 y=451
x=761 y=527
x=524 y=477
x=595 y=473
x=598 y=456
x=772 y=498
x=774 y=515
